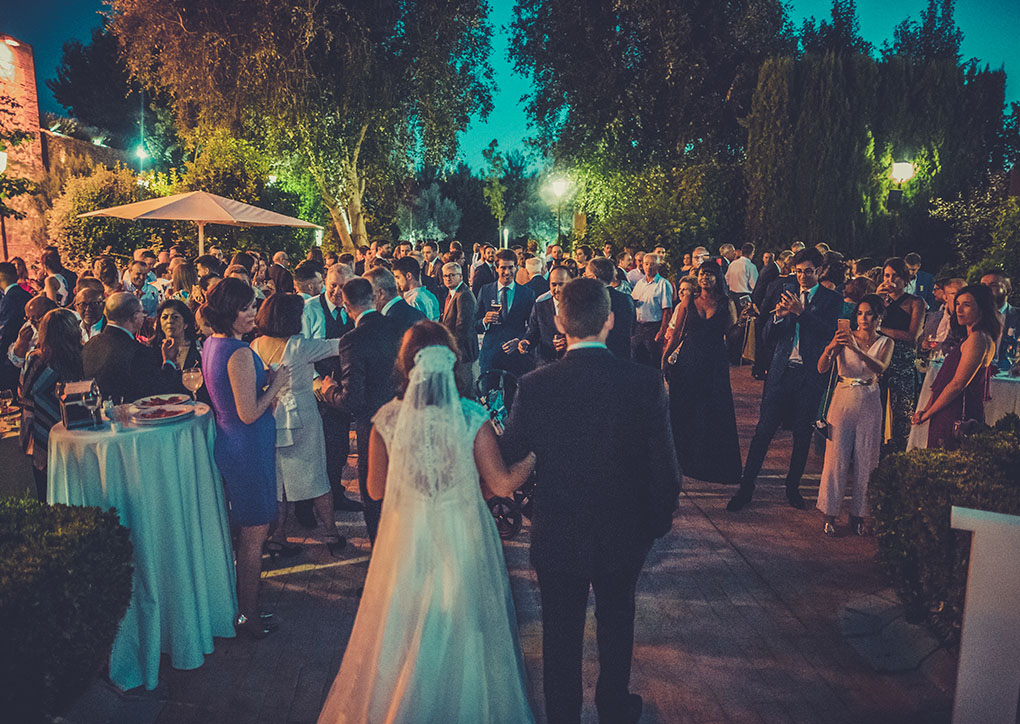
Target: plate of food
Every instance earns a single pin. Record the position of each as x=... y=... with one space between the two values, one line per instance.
x=161 y=400
x=160 y=415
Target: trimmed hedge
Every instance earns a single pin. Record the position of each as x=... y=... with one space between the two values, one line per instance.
x=912 y=495
x=65 y=584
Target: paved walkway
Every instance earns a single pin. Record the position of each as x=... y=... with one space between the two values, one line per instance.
x=738 y=621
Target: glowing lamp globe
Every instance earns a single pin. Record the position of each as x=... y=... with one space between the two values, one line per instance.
x=902 y=171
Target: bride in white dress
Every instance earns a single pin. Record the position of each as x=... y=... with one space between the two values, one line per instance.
x=435 y=638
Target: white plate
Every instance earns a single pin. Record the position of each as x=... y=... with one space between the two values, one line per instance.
x=153 y=401
x=180 y=413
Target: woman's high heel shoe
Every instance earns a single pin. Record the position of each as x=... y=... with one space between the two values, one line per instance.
x=276 y=548
x=857 y=525
x=253 y=628
x=829 y=529
x=335 y=544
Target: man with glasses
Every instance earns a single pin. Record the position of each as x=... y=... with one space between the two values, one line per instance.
x=88 y=303
x=459 y=315
x=802 y=324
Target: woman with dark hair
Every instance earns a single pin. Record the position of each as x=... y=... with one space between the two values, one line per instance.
x=903 y=322
x=55 y=285
x=855 y=414
x=436 y=609
x=300 y=443
x=700 y=398
x=243 y=391
x=23 y=279
x=175 y=321
x=958 y=391
x=109 y=276
x=56 y=358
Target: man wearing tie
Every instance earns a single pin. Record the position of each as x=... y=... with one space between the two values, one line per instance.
x=801 y=325
x=503 y=311
x=326 y=318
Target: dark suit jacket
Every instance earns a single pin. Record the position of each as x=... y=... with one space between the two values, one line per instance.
x=404 y=315
x=125 y=368
x=622 y=307
x=483 y=275
x=367 y=355
x=282 y=279
x=768 y=275
x=514 y=324
x=539 y=285
x=459 y=318
x=12 y=317
x=541 y=328
x=1011 y=321
x=817 y=324
x=607 y=473
x=334 y=330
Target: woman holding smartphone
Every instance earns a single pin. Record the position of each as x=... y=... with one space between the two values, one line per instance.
x=855 y=415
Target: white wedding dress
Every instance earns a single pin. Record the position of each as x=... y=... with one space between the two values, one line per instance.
x=435 y=638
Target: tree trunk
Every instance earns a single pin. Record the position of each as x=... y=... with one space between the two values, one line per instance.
x=359 y=235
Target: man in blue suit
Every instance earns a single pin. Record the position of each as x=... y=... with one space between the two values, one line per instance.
x=803 y=322
x=923 y=283
x=542 y=336
x=503 y=311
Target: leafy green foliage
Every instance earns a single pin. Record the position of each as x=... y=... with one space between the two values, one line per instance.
x=912 y=495
x=11 y=187
x=65 y=583
x=432 y=216
x=495 y=189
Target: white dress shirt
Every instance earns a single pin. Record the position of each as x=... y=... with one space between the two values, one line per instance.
x=651 y=298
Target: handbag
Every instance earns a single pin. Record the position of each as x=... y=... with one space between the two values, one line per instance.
x=822 y=423
x=682 y=332
x=964 y=426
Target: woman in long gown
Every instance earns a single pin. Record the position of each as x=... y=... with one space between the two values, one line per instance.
x=958 y=391
x=700 y=398
x=435 y=639
x=903 y=323
x=855 y=415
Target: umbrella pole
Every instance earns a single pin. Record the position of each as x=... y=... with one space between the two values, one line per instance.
x=201 y=238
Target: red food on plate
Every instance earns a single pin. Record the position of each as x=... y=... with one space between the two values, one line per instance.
x=157 y=414
x=163 y=400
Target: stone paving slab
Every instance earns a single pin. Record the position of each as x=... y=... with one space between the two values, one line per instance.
x=738 y=621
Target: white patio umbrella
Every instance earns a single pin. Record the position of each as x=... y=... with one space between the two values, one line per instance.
x=201 y=208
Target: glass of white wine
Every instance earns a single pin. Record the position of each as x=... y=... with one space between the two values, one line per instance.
x=192 y=380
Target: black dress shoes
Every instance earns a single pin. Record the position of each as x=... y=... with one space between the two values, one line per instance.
x=795 y=499
x=629 y=713
x=740 y=500
x=345 y=504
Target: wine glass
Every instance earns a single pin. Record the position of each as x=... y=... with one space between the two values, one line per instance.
x=193 y=380
x=92 y=400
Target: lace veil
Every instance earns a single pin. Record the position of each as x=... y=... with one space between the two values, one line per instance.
x=430 y=451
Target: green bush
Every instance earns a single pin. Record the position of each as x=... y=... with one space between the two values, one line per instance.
x=65 y=584
x=913 y=493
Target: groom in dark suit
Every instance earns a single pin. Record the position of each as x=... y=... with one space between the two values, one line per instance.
x=802 y=324
x=597 y=507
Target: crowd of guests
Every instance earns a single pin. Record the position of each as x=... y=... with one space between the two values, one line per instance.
x=294 y=357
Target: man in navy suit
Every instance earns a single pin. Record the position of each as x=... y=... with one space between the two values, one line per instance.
x=803 y=322
x=606 y=487
x=542 y=336
x=923 y=283
x=12 y=316
x=388 y=300
x=504 y=308
x=622 y=306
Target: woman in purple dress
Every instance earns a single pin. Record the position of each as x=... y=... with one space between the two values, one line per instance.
x=242 y=392
x=958 y=392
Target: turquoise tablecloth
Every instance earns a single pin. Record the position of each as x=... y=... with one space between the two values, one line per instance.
x=164 y=484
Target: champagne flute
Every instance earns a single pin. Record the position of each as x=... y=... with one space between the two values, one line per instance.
x=496 y=307
x=193 y=380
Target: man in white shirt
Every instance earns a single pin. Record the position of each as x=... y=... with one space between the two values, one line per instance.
x=88 y=305
x=407 y=273
x=653 y=303
x=741 y=276
x=147 y=294
x=635 y=274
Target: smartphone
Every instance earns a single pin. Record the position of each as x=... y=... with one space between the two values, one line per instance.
x=843 y=325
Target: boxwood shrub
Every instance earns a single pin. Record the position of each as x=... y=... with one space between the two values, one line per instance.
x=912 y=495
x=65 y=583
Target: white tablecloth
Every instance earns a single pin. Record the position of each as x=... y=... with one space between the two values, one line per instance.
x=1004 y=391
x=165 y=486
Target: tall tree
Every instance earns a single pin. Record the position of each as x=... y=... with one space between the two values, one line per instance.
x=355 y=88
x=495 y=189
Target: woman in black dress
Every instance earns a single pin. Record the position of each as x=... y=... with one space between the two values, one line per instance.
x=903 y=323
x=700 y=399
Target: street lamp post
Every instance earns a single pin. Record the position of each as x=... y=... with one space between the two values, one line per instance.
x=902 y=171
x=559 y=188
